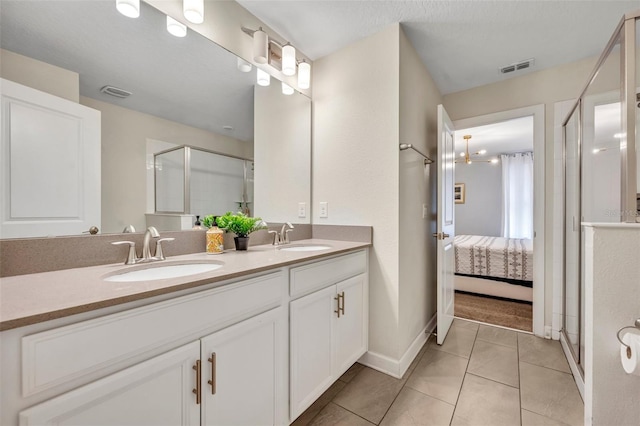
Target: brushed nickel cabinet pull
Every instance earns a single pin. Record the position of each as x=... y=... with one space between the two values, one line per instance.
x=337 y=299
x=212 y=382
x=342 y=297
x=197 y=390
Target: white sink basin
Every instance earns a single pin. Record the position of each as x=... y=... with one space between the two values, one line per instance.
x=160 y=271
x=304 y=247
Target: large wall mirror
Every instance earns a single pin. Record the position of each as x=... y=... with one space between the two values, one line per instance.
x=185 y=92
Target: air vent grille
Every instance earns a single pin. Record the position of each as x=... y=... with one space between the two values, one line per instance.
x=115 y=91
x=518 y=66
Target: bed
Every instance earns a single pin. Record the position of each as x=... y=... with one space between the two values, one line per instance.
x=494 y=266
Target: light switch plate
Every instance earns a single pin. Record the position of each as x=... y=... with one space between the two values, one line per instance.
x=302 y=209
x=324 y=209
x=424 y=211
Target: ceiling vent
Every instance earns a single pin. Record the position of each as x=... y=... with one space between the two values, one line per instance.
x=522 y=65
x=115 y=91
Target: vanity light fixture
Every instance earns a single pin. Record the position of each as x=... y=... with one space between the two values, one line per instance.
x=288 y=60
x=129 y=8
x=176 y=28
x=193 y=10
x=243 y=65
x=264 y=79
x=286 y=89
x=304 y=75
x=260 y=46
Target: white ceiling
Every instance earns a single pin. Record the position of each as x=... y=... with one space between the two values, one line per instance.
x=504 y=137
x=462 y=43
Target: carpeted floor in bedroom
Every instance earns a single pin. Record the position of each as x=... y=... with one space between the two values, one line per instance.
x=506 y=313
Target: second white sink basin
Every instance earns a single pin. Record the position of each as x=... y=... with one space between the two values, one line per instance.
x=160 y=271
x=304 y=247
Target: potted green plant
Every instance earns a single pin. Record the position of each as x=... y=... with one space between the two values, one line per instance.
x=241 y=225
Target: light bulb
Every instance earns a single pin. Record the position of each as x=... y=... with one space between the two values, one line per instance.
x=286 y=89
x=129 y=8
x=193 y=10
x=176 y=28
x=482 y=152
x=494 y=161
x=304 y=75
x=260 y=46
x=243 y=65
x=264 y=79
x=462 y=154
x=288 y=60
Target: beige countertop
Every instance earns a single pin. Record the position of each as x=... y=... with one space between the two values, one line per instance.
x=33 y=298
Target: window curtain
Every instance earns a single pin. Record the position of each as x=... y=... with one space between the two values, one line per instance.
x=517 y=195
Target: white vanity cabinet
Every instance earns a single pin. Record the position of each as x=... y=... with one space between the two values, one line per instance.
x=328 y=325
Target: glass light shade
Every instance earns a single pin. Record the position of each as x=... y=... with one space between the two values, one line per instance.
x=193 y=10
x=264 y=79
x=304 y=75
x=286 y=89
x=176 y=28
x=243 y=65
x=288 y=60
x=482 y=152
x=494 y=161
x=129 y=8
x=260 y=46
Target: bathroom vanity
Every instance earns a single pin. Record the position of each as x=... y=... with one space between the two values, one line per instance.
x=230 y=346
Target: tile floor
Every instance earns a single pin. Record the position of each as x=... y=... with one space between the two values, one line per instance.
x=481 y=375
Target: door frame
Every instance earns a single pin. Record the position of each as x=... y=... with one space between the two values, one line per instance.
x=539 y=179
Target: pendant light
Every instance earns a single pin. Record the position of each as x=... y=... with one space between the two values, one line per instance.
x=286 y=89
x=304 y=75
x=264 y=79
x=288 y=60
x=260 y=46
x=193 y=10
x=129 y=8
x=176 y=28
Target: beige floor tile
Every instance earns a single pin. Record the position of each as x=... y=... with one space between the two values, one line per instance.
x=351 y=372
x=485 y=402
x=499 y=336
x=439 y=375
x=533 y=419
x=333 y=415
x=324 y=399
x=495 y=362
x=413 y=408
x=550 y=393
x=542 y=352
x=469 y=325
x=459 y=341
x=369 y=394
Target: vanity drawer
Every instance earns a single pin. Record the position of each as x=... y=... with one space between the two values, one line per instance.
x=308 y=278
x=111 y=342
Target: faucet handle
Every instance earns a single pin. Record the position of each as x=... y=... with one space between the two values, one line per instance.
x=276 y=237
x=159 y=254
x=131 y=256
x=285 y=237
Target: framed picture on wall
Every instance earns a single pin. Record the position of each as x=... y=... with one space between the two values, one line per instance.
x=458 y=193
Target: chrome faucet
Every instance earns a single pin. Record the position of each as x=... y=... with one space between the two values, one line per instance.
x=151 y=232
x=282 y=237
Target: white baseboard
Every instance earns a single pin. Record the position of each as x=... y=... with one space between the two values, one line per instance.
x=397 y=368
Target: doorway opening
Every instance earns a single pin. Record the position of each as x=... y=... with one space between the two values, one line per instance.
x=499 y=219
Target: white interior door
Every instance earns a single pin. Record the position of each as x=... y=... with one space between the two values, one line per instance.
x=50 y=164
x=445 y=227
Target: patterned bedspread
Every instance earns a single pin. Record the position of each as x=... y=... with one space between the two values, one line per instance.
x=508 y=258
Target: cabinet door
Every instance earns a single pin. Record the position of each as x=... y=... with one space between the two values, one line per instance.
x=350 y=335
x=244 y=376
x=155 y=392
x=311 y=324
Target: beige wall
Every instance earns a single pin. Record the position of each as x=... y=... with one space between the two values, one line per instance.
x=355 y=163
x=40 y=75
x=124 y=139
x=543 y=87
x=419 y=98
x=282 y=154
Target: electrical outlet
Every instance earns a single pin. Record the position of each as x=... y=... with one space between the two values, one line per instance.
x=424 y=211
x=324 y=209
x=302 y=209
